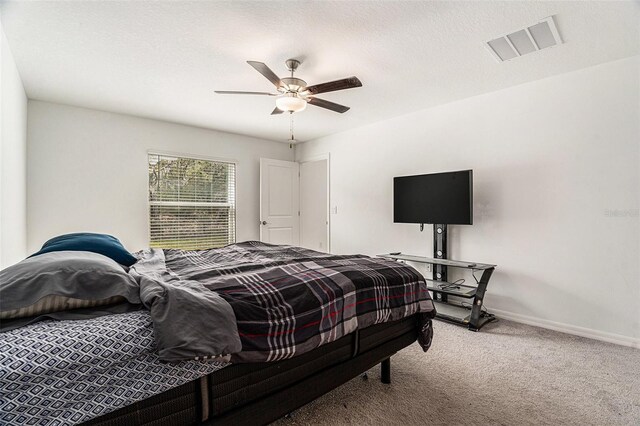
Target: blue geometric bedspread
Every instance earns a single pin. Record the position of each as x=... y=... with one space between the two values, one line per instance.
x=68 y=372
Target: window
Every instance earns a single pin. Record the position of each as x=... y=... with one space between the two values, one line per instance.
x=192 y=202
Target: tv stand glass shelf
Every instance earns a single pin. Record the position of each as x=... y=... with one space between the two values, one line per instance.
x=472 y=316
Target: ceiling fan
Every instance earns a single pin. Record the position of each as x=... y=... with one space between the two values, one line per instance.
x=293 y=94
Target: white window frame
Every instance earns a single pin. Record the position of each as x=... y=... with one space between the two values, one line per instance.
x=150 y=203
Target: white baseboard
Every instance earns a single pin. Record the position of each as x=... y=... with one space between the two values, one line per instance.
x=618 y=339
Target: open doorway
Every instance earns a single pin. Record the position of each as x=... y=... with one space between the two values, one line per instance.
x=314 y=204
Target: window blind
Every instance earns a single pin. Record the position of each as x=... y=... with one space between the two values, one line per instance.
x=192 y=202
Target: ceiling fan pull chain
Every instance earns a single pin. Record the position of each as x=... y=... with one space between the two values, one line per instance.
x=291 y=125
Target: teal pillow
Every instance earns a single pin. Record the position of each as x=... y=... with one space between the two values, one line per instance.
x=103 y=244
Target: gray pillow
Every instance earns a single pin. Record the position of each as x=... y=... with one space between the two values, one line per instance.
x=63 y=280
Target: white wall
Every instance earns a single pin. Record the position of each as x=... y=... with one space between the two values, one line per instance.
x=556 y=184
x=87 y=171
x=13 y=146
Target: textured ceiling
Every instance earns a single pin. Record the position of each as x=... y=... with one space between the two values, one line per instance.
x=164 y=59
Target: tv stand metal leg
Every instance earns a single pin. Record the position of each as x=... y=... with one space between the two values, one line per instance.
x=476 y=309
x=385 y=369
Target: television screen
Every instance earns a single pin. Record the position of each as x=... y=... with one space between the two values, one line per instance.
x=445 y=198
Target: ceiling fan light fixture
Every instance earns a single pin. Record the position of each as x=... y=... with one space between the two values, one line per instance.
x=291 y=103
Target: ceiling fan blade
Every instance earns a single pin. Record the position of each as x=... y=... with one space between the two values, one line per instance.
x=266 y=71
x=328 y=105
x=232 y=92
x=332 y=86
x=276 y=111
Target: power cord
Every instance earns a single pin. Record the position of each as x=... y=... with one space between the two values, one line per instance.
x=452 y=286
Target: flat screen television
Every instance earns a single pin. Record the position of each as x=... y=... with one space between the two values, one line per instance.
x=445 y=198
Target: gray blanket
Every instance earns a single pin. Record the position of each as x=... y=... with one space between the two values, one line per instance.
x=192 y=322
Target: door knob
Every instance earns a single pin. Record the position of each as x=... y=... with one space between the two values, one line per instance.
x=264 y=222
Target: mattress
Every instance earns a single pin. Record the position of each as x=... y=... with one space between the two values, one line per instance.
x=260 y=392
x=68 y=372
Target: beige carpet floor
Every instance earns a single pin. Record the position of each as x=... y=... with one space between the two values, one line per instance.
x=506 y=374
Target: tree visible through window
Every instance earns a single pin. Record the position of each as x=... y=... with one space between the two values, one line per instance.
x=191 y=202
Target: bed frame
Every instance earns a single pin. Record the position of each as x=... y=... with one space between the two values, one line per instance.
x=263 y=392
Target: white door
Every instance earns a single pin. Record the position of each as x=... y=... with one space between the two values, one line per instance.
x=279 y=202
x=314 y=204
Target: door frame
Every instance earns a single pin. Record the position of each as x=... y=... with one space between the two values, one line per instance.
x=320 y=157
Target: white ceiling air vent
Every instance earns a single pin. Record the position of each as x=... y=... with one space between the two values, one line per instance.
x=529 y=39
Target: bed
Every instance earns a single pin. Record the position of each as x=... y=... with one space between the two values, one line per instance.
x=134 y=367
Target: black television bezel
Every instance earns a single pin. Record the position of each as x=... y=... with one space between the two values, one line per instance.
x=470 y=174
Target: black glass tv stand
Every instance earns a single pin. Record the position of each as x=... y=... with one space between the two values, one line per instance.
x=455 y=311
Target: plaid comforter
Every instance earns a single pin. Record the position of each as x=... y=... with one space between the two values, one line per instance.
x=284 y=300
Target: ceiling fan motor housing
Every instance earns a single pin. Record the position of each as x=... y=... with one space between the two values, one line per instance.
x=293 y=84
